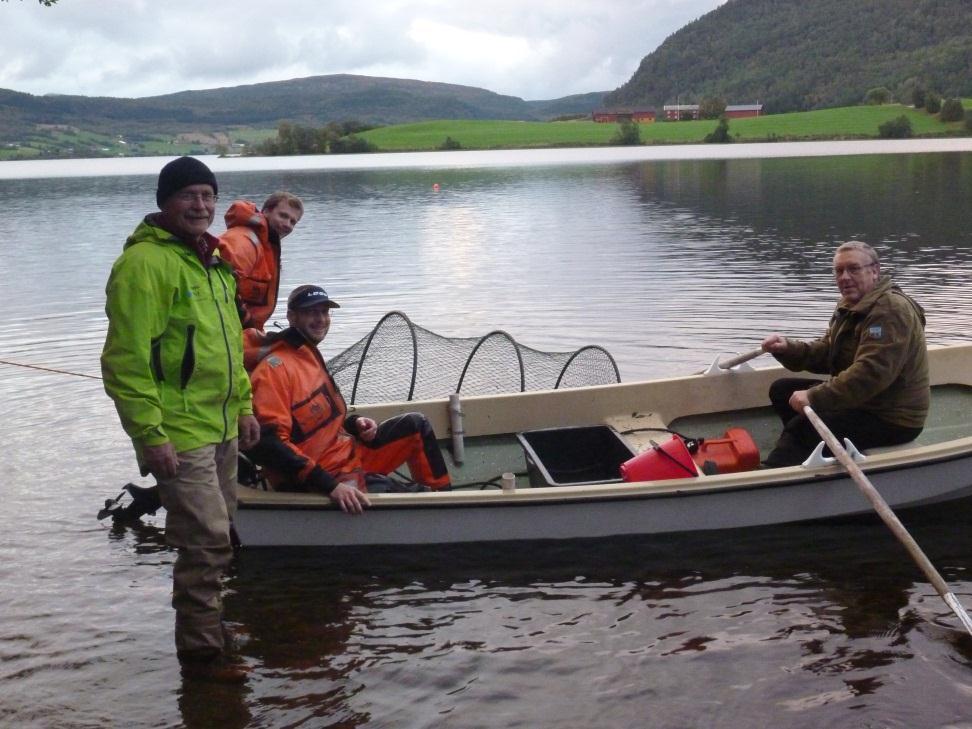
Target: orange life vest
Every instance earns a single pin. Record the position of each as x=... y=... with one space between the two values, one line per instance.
x=300 y=402
x=253 y=251
x=306 y=434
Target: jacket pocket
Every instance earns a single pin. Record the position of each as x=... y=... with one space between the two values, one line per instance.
x=312 y=414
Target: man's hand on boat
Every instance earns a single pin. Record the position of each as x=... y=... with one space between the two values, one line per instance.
x=349 y=498
x=775 y=344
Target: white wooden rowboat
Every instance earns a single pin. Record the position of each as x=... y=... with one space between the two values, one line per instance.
x=936 y=467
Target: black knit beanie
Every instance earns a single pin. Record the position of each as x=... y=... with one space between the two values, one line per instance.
x=180 y=173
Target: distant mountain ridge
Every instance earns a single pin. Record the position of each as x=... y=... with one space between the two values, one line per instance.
x=796 y=55
x=315 y=101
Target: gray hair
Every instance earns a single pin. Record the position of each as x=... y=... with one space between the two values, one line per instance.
x=859 y=245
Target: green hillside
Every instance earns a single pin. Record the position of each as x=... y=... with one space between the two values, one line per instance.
x=224 y=119
x=796 y=55
x=317 y=99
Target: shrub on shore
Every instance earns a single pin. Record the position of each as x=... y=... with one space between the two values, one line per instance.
x=897 y=128
x=628 y=135
x=449 y=144
x=952 y=111
x=719 y=135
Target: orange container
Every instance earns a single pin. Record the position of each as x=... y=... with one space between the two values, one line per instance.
x=670 y=459
x=735 y=451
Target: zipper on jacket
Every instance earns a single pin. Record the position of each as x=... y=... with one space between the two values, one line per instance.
x=188 y=356
x=229 y=352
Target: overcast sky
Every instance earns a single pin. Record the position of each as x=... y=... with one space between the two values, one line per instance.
x=534 y=49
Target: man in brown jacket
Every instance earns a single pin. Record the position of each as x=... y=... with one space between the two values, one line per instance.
x=875 y=353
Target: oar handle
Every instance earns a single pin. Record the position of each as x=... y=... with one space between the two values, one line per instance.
x=889 y=517
x=739 y=359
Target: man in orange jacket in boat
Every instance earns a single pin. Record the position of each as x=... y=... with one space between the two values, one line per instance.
x=308 y=440
x=875 y=353
x=251 y=245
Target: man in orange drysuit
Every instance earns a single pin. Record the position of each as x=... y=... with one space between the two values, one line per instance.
x=308 y=441
x=251 y=245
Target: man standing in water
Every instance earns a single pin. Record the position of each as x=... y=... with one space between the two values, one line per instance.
x=875 y=353
x=173 y=364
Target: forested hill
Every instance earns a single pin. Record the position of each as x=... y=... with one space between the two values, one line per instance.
x=314 y=101
x=794 y=55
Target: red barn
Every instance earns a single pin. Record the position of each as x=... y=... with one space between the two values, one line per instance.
x=639 y=116
x=740 y=111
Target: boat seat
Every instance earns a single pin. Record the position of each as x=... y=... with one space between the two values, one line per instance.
x=640 y=440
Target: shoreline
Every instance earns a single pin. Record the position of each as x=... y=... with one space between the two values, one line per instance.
x=122 y=166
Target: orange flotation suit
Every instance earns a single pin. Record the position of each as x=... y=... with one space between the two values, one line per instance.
x=308 y=439
x=253 y=250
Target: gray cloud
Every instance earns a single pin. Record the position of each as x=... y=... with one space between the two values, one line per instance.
x=537 y=50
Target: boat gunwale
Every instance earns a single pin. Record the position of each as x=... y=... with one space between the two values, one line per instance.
x=901 y=460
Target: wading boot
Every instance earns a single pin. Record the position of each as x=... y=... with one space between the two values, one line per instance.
x=212 y=667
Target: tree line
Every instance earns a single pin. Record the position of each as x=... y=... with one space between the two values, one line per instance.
x=333 y=138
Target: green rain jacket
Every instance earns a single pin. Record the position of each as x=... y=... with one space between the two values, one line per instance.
x=173 y=356
x=876 y=355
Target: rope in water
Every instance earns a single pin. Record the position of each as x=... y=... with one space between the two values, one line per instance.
x=48 y=369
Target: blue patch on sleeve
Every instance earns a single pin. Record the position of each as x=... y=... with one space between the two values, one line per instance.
x=875 y=332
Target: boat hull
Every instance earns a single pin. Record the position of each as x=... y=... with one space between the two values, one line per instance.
x=495 y=516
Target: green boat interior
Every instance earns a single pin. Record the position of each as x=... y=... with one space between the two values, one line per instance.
x=586 y=455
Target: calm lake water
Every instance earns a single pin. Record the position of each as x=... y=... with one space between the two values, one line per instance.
x=665 y=263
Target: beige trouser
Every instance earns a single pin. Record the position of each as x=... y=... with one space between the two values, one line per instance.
x=200 y=502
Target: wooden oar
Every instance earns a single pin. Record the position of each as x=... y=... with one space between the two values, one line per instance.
x=889 y=518
x=729 y=363
x=738 y=360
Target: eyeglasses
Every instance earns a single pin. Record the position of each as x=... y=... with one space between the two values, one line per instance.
x=188 y=197
x=853 y=269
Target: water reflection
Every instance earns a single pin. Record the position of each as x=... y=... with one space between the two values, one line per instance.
x=902 y=201
x=202 y=706
x=457 y=632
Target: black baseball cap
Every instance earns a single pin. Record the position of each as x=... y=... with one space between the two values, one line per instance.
x=308 y=295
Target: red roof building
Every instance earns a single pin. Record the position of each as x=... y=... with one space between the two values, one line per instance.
x=740 y=111
x=639 y=116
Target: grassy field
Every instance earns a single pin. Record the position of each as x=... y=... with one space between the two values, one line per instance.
x=857 y=122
